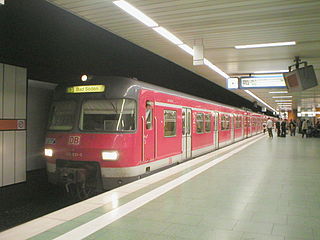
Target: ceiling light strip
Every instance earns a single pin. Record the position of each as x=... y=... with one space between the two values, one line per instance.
x=271 y=71
x=288 y=100
x=260 y=100
x=187 y=49
x=215 y=68
x=168 y=35
x=279 y=92
x=282 y=97
x=127 y=7
x=277 y=44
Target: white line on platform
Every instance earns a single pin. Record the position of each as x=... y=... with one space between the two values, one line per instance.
x=100 y=222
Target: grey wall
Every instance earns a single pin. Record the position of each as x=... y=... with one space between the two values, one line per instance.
x=39 y=100
x=13 y=95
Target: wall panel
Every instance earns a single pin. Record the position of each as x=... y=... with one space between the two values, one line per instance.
x=1 y=159
x=39 y=101
x=8 y=157
x=20 y=156
x=9 y=95
x=13 y=98
x=1 y=89
x=21 y=93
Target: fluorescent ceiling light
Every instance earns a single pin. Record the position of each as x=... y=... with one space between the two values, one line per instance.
x=279 y=92
x=310 y=112
x=260 y=100
x=282 y=97
x=272 y=71
x=2 y=2
x=187 y=49
x=168 y=35
x=216 y=69
x=135 y=13
x=283 y=100
x=278 y=44
x=164 y=32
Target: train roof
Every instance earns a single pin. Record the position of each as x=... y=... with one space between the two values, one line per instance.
x=125 y=83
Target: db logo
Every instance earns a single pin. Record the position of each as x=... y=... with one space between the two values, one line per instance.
x=74 y=140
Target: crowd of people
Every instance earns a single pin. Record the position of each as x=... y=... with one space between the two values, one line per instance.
x=282 y=127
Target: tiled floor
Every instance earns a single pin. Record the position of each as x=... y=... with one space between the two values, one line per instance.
x=268 y=191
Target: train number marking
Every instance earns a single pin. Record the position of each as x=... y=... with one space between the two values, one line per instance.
x=74 y=140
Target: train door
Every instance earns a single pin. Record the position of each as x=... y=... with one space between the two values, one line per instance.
x=186 y=133
x=232 y=116
x=216 y=130
x=242 y=127
x=149 y=135
x=246 y=126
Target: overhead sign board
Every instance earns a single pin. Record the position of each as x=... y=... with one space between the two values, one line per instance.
x=86 y=89
x=264 y=81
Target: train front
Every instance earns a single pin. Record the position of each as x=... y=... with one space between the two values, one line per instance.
x=92 y=143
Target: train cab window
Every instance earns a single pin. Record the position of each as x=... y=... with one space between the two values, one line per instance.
x=199 y=122
x=170 y=123
x=108 y=115
x=208 y=123
x=62 y=115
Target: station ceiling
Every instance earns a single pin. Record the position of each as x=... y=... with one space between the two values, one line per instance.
x=220 y=25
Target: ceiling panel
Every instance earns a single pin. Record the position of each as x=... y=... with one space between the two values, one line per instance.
x=220 y=25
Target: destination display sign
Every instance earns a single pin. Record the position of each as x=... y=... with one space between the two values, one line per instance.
x=270 y=81
x=86 y=89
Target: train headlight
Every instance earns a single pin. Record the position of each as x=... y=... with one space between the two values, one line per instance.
x=110 y=155
x=48 y=152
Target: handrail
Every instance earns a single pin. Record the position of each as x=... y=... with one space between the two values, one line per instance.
x=142 y=138
x=155 y=138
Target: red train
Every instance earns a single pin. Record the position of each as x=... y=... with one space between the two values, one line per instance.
x=113 y=130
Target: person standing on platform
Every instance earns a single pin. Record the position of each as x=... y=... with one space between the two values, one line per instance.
x=264 y=126
x=310 y=129
x=304 y=128
x=269 y=127
x=278 y=128
x=283 y=128
x=292 y=127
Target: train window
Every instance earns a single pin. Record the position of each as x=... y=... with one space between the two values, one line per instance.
x=189 y=123
x=149 y=118
x=238 y=121
x=200 y=122
x=170 y=123
x=183 y=122
x=62 y=115
x=208 y=122
x=225 y=122
x=109 y=115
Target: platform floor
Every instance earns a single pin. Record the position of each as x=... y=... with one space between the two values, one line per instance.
x=258 y=189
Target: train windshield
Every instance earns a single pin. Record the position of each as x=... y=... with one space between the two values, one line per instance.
x=110 y=115
x=62 y=115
